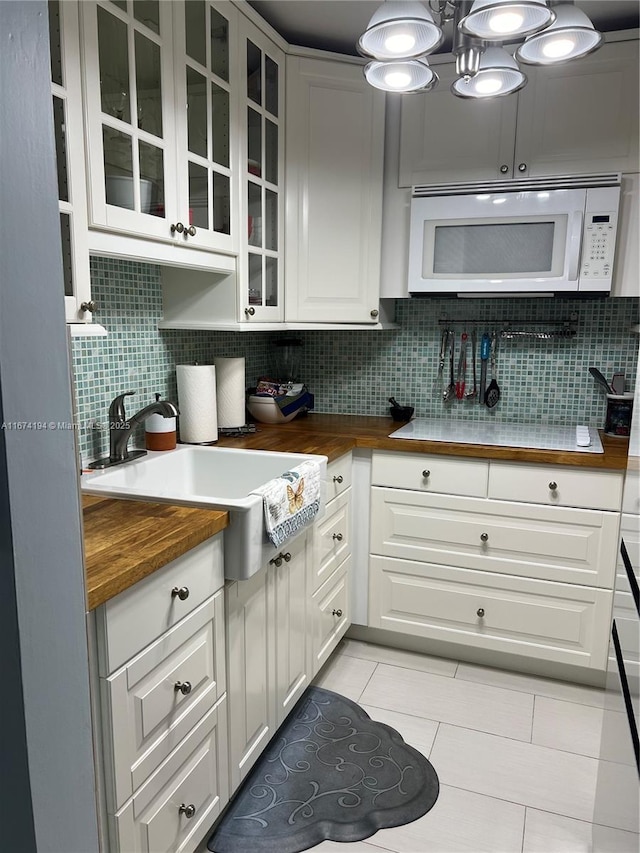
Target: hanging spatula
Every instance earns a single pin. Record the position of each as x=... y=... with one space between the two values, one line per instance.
x=485 y=349
x=492 y=394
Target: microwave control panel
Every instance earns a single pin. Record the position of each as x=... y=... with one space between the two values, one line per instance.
x=598 y=245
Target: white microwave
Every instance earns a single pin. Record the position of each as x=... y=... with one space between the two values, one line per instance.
x=522 y=237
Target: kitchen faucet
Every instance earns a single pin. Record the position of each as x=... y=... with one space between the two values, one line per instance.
x=120 y=429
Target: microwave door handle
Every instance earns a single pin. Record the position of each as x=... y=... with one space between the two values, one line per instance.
x=574 y=244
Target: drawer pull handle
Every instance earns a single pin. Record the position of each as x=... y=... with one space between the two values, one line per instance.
x=338 y=537
x=277 y=561
x=181 y=592
x=553 y=486
x=484 y=537
x=339 y=479
x=187 y=811
x=183 y=687
x=337 y=613
x=426 y=474
x=480 y=612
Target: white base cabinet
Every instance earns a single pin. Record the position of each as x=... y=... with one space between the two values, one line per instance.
x=250 y=644
x=329 y=610
x=175 y=809
x=520 y=558
x=560 y=622
x=267 y=640
x=284 y=622
x=160 y=657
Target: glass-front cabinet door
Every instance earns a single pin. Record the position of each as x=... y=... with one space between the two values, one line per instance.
x=129 y=95
x=262 y=168
x=206 y=69
x=64 y=46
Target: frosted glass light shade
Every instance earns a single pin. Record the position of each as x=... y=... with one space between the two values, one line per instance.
x=570 y=36
x=410 y=75
x=498 y=20
x=498 y=74
x=400 y=29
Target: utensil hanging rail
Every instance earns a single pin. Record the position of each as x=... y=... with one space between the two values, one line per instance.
x=568 y=330
x=555 y=334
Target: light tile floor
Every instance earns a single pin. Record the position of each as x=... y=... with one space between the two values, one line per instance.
x=515 y=754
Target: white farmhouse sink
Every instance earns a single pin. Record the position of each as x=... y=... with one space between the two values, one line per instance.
x=212 y=477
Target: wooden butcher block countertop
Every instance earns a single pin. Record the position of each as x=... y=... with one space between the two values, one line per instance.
x=334 y=435
x=124 y=541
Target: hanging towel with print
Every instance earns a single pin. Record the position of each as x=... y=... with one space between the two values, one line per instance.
x=291 y=501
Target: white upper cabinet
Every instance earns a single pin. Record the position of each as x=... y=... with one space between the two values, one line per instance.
x=64 y=44
x=159 y=84
x=580 y=117
x=128 y=102
x=444 y=139
x=262 y=109
x=574 y=118
x=335 y=151
x=206 y=82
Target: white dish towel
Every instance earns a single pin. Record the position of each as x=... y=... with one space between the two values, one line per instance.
x=291 y=501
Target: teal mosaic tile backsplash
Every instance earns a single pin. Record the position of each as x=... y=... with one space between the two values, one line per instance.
x=354 y=372
x=544 y=381
x=136 y=356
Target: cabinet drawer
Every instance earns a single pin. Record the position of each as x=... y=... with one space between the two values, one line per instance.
x=549 y=621
x=136 y=617
x=194 y=775
x=535 y=484
x=338 y=476
x=145 y=711
x=559 y=544
x=331 y=614
x=332 y=538
x=430 y=473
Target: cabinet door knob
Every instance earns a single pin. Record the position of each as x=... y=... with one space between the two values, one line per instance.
x=187 y=811
x=183 y=687
x=426 y=474
x=484 y=537
x=178 y=227
x=191 y=231
x=338 y=537
x=480 y=612
x=91 y=306
x=337 y=613
x=553 y=486
x=181 y=592
x=338 y=479
x=250 y=311
x=504 y=169
x=286 y=557
x=276 y=561
x=374 y=312
x=522 y=167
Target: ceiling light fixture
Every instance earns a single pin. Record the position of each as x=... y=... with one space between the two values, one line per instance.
x=496 y=20
x=498 y=74
x=570 y=36
x=400 y=29
x=401 y=33
x=408 y=75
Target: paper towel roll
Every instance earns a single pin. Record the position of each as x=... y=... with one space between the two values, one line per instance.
x=230 y=391
x=197 y=402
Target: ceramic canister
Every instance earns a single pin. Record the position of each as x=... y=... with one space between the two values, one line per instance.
x=160 y=433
